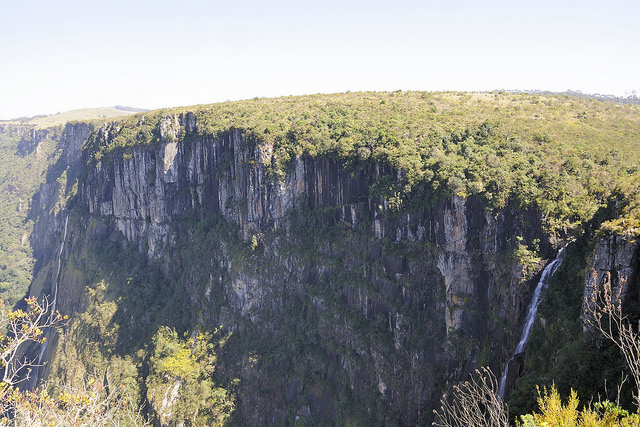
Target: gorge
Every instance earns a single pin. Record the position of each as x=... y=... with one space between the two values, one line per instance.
x=331 y=259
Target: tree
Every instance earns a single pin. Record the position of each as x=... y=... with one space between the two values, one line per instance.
x=18 y=328
x=476 y=402
x=94 y=403
x=473 y=403
x=555 y=413
x=180 y=383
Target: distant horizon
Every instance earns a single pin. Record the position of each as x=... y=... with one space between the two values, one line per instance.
x=632 y=96
x=63 y=55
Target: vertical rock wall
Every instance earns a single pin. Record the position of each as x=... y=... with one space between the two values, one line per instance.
x=616 y=261
x=401 y=303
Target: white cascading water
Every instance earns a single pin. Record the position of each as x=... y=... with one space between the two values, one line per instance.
x=531 y=316
x=56 y=281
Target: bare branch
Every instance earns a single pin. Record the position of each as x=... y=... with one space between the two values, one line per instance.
x=17 y=328
x=473 y=403
x=91 y=404
x=603 y=312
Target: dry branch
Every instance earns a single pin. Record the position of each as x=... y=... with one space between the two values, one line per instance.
x=473 y=403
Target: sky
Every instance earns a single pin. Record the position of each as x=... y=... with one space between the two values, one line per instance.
x=59 y=55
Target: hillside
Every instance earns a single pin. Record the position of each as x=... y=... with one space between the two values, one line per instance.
x=333 y=259
x=28 y=147
x=82 y=114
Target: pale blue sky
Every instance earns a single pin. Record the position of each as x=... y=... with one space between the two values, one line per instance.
x=59 y=55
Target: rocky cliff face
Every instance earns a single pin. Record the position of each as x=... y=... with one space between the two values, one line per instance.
x=147 y=190
x=49 y=208
x=616 y=261
x=339 y=300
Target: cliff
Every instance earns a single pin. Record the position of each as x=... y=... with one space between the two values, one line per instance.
x=25 y=155
x=328 y=291
x=615 y=260
x=393 y=305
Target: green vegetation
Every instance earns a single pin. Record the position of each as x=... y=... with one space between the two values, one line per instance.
x=29 y=150
x=20 y=176
x=59 y=119
x=561 y=155
x=154 y=326
x=137 y=330
x=185 y=366
x=565 y=158
x=475 y=402
x=96 y=402
x=555 y=413
x=139 y=325
x=529 y=258
x=561 y=353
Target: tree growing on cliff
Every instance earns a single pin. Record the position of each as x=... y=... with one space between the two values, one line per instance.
x=180 y=383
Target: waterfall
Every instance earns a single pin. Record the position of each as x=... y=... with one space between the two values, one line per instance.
x=56 y=282
x=531 y=316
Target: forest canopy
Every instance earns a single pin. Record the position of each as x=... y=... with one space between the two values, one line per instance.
x=564 y=156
